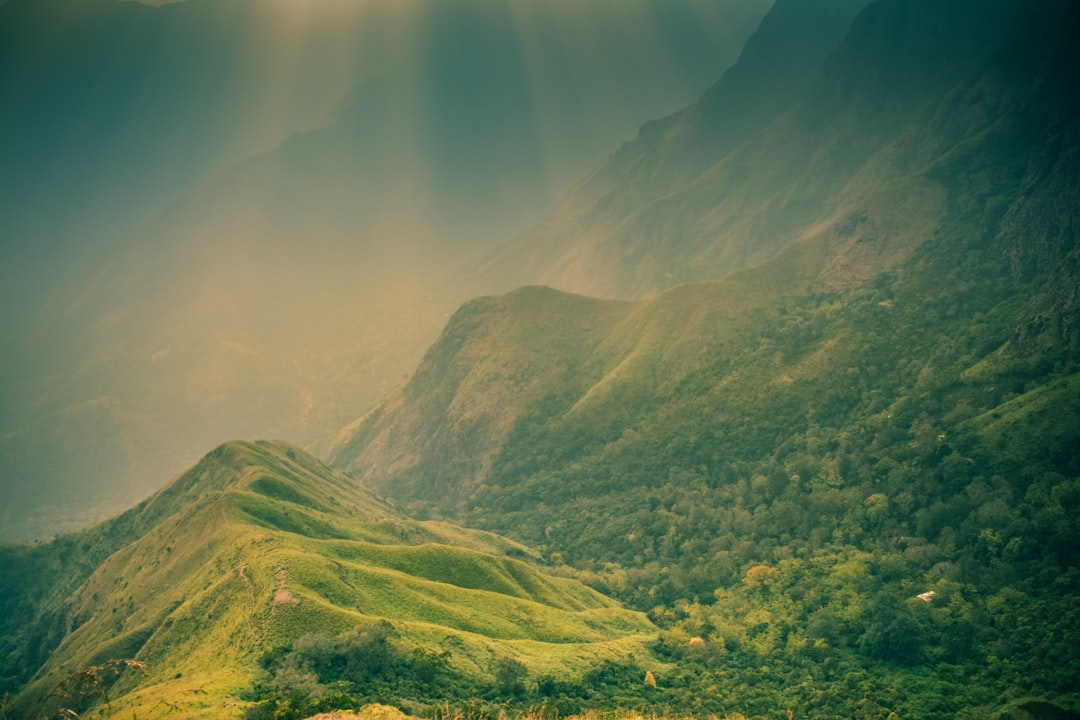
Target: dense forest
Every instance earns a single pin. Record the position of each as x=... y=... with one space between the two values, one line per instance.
x=790 y=502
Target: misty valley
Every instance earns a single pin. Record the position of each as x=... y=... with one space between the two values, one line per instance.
x=537 y=360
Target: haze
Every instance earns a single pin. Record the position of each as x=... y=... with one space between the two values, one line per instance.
x=238 y=219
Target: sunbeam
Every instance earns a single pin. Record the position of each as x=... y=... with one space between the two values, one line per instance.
x=306 y=179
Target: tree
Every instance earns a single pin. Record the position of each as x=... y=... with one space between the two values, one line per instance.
x=893 y=634
x=510 y=676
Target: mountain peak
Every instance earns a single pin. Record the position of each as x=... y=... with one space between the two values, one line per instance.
x=844 y=133
x=273 y=468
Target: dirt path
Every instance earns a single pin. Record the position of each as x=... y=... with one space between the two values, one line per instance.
x=251 y=593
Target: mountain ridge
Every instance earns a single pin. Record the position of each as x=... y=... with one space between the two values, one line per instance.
x=521 y=317
x=989 y=168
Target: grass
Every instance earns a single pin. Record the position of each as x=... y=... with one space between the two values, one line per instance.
x=380 y=592
x=466 y=568
x=1041 y=421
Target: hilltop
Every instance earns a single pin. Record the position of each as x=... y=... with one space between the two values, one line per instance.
x=260 y=545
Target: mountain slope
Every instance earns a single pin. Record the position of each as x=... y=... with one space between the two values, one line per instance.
x=256 y=546
x=782 y=461
x=863 y=121
x=1002 y=194
x=859 y=447
x=497 y=358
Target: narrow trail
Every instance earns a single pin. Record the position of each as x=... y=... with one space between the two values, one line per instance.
x=251 y=594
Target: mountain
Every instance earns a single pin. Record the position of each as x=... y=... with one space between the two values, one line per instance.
x=785 y=461
x=255 y=547
x=1003 y=145
x=497 y=358
x=808 y=132
x=259 y=238
x=842 y=480
x=861 y=447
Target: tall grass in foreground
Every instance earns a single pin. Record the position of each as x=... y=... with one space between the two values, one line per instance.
x=480 y=711
x=81 y=689
x=545 y=712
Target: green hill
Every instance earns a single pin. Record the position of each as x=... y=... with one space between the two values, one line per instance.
x=781 y=471
x=255 y=547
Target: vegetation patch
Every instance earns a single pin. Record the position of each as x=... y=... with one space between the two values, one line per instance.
x=374 y=664
x=285 y=491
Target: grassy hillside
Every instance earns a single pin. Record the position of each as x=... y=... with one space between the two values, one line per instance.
x=256 y=547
